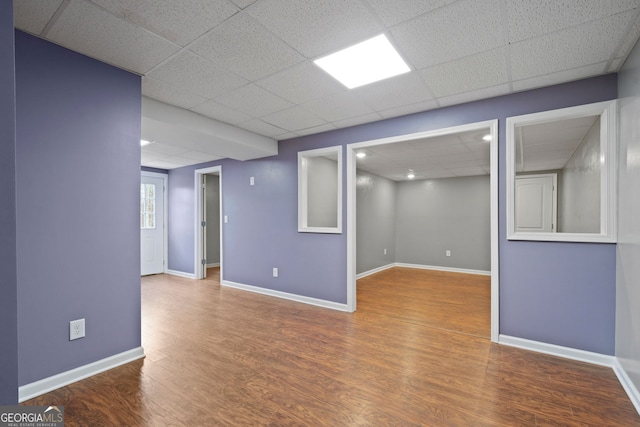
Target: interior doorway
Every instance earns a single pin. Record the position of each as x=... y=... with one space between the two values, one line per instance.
x=208 y=221
x=153 y=230
x=491 y=129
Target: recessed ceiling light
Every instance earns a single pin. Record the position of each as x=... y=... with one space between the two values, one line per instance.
x=361 y=154
x=487 y=137
x=366 y=62
x=144 y=142
x=411 y=174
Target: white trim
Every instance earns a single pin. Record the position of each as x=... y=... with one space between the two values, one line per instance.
x=37 y=388
x=375 y=270
x=607 y=111
x=303 y=227
x=198 y=271
x=557 y=350
x=447 y=269
x=165 y=201
x=214 y=264
x=285 y=295
x=495 y=244
x=181 y=274
x=351 y=229
x=627 y=384
x=351 y=209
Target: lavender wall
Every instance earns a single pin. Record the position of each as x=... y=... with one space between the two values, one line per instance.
x=8 y=284
x=78 y=238
x=559 y=293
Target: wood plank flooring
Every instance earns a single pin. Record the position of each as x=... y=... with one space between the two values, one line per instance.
x=415 y=353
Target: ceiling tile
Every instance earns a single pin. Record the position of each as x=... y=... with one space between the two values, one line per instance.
x=437 y=174
x=473 y=171
x=395 y=12
x=165 y=92
x=246 y=48
x=221 y=112
x=458 y=30
x=179 y=21
x=317 y=27
x=253 y=100
x=243 y=3
x=94 y=32
x=560 y=77
x=474 y=72
x=528 y=18
x=354 y=121
x=33 y=15
x=198 y=156
x=630 y=39
x=409 y=109
x=489 y=92
x=293 y=119
x=162 y=164
x=166 y=149
x=395 y=92
x=339 y=106
x=192 y=73
x=147 y=156
x=318 y=129
x=302 y=83
x=576 y=47
x=262 y=128
x=615 y=65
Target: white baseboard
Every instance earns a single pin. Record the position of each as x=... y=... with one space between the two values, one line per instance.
x=627 y=384
x=438 y=268
x=37 y=388
x=181 y=274
x=293 y=297
x=213 y=264
x=374 y=271
x=557 y=350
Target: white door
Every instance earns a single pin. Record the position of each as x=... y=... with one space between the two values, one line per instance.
x=536 y=203
x=151 y=225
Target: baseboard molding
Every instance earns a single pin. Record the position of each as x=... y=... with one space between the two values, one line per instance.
x=37 y=388
x=181 y=274
x=213 y=264
x=284 y=295
x=627 y=384
x=557 y=350
x=374 y=271
x=438 y=268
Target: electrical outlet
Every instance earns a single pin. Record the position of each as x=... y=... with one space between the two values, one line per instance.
x=385 y=251
x=76 y=329
x=252 y=181
x=275 y=272
x=448 y=252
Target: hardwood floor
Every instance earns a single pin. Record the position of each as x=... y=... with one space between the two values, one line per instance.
x=415 y=353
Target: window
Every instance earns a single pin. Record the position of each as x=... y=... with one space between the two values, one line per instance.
x=147 y=206
x=575 y=147
x=320 y=190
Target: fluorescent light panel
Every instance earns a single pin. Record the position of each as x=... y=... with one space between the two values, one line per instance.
x=367 y=62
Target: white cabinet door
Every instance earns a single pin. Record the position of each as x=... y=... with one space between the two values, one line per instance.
x=536 y=203
x=151 y=225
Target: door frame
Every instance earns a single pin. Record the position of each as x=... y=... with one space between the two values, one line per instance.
x=351 y=209
x=165 y=213
x=199 y=270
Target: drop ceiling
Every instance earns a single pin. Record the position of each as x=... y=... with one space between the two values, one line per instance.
x=249 y=63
